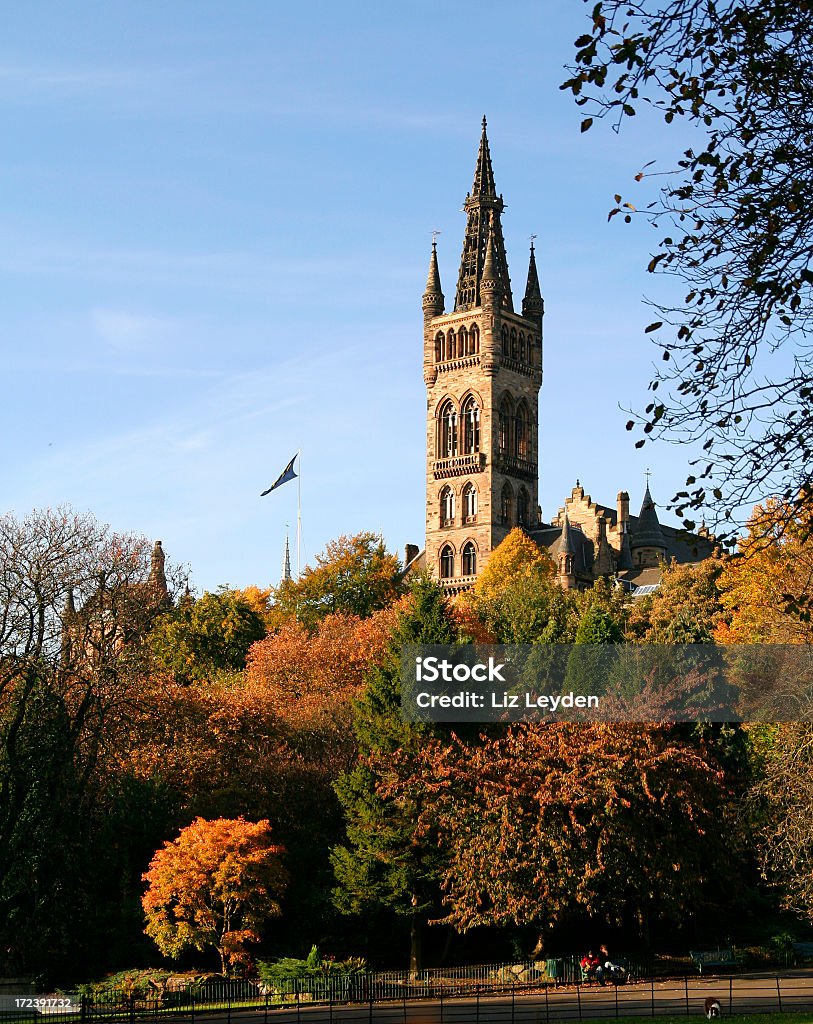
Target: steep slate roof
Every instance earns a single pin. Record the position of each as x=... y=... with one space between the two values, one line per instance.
x=647 y=532
x=581 y=547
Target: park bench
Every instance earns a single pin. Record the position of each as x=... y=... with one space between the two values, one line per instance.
x=802 y=951
x=720 y=958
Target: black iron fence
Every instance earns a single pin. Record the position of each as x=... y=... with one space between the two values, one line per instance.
x=442 y=998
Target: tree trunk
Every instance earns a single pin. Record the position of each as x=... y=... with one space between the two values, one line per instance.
x=447 y=945
x=643 y=927
x=415 y=945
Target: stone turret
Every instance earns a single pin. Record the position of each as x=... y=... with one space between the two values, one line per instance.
x=157 y=574
x=433 y=300
x=566 y=558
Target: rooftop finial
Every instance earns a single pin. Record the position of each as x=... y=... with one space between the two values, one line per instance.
x=485 y=123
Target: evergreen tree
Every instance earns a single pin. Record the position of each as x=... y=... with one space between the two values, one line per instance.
x=386 y=862
x=589 y=662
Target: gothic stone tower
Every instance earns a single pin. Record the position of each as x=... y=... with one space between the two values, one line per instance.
x=482 y=364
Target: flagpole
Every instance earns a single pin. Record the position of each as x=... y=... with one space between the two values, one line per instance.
x=299 y=516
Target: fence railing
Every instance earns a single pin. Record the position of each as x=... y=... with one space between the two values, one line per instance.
x=455 y=996
x=381 y=986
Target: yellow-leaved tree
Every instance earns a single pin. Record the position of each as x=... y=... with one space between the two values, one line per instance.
x=766 y=587
x=516 y=555
x=516 y=599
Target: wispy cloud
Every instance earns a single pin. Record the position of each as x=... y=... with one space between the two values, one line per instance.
x=126 y=331
x=19 y=81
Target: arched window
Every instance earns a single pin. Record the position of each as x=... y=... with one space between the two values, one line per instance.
x=447 y=507
x=522 y=346
x=506 y=505
x=530 y=350
x=521 y=431
x=469 y=504
x=447 y=563
x=506 y=351
x=447 y=434
x=439 y=347
x=451 y=350
x=474 y=339
x=523 y=507
x=462 y=342
x=513 y=343
x=471 y=426
x=505 y=417
x=469 y=560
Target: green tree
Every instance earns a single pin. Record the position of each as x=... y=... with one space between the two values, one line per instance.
x=597 y=626
x=589 y=662
x=685 y=609
x=738 y=218
x=386 y=862
x=353 y=575
x=201 y=638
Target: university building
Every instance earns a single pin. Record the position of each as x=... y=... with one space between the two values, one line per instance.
x=482 y=365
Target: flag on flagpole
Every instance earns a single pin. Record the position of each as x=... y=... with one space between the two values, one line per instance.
x=286 y=475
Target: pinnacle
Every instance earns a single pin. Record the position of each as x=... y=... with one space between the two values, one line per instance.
x=532 y=304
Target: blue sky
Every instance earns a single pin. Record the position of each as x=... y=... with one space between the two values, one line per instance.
x=216 y=223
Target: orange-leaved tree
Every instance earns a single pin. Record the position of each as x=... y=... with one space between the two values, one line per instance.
x=214 y=887
x=310 y=678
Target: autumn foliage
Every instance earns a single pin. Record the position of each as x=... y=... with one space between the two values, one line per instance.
x=312 y=677
x=768 y=584
x=547 y=820
x=214 y=886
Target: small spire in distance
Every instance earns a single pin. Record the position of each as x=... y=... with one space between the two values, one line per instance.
x=286 y=563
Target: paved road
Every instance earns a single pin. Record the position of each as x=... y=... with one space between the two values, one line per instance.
x=748 y=993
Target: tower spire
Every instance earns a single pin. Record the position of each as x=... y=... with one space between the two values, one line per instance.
x=286 y=562
x=483 y=208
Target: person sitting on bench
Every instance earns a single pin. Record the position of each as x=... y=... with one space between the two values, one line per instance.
x=589 y=965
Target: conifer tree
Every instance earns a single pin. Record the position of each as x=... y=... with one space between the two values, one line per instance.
x=386 y=862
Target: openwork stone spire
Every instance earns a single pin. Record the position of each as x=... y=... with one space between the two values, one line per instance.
x=483 y=208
